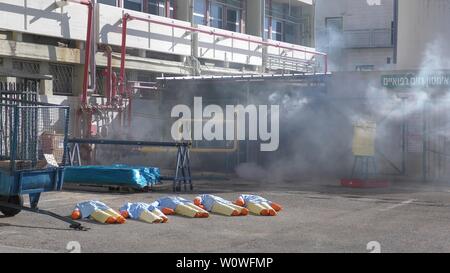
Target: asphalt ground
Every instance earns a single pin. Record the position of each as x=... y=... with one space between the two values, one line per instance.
x=318 y=216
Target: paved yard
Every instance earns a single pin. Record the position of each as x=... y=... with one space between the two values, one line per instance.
x=318 y=217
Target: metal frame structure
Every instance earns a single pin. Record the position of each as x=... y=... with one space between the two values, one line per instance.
x=22 y=123
x=183 y=164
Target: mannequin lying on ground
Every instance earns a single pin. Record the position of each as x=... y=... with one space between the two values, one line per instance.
x=97 y=211
x=258 y=205
x=144 y=212
x=178 y=205
x=219 y=205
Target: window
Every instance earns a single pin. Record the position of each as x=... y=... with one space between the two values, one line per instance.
x=334 y=28
x=216 y=16
x=224 y=14
x=290 y=33
x=365 y=67
x=283 y=22
x=108 y=2
x=278 y=10
x=158 y=7
x=199 y=12
x=133 y=4
x=62 y=78
x=277 y=30
x=28 y=67
x=233 y=20
x=334 y=24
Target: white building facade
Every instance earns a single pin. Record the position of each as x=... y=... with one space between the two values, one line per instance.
x=43 y=41
x=359 y=35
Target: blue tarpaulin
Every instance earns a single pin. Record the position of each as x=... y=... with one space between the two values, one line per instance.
x=119 y=174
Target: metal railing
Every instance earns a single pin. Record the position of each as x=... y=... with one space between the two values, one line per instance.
x=288 y=64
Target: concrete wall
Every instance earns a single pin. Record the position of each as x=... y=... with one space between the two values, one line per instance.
x=423 y=26
x=142 y=35
x=43 y=17
x=228 y=49
x=358 y=57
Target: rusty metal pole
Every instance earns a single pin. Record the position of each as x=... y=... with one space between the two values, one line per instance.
x=87 y=56
x=125 y=19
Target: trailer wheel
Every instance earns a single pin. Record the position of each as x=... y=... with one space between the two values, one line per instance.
x=15 y=200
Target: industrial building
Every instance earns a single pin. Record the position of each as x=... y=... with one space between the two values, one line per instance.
x=44 y=40
x=332 y=115
x=158 y=54
x=97 y=56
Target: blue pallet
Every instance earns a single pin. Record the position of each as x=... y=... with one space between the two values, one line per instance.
x=114 y=175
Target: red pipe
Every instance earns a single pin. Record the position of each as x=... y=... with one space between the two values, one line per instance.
x=108 y=75
x=125 y=19
x=114 y=84
x=87 y=50
x=193 y=29
x=129 y=107
x=207 y=12
x=167 y=8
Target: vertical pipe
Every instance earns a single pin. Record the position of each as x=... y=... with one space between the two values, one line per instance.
x=93 y=63
x=88 y=132
x=174 y=10
x=108 y=87
x=66 y=130
x=424 y=145
x=395 y=31
x=123 y=53
x=129 y=108
x=167 y=8
x=87 y=55
x=114 y=85
x=403 y=138
x=326 y=63
x=145 y=6
x=14 y=138
x=207 y=10
x=269 y=27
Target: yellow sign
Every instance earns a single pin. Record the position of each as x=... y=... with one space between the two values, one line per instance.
x=364 y=139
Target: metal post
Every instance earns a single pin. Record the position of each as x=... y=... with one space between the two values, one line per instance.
x=403 y=138
x=108 y=75
x=66 y=129
x=14 y=137
x=167 y=8
x=87 y=57
x=125 y=19
x=424 y=145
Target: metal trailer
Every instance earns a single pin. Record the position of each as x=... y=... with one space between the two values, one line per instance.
x=25 y=149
